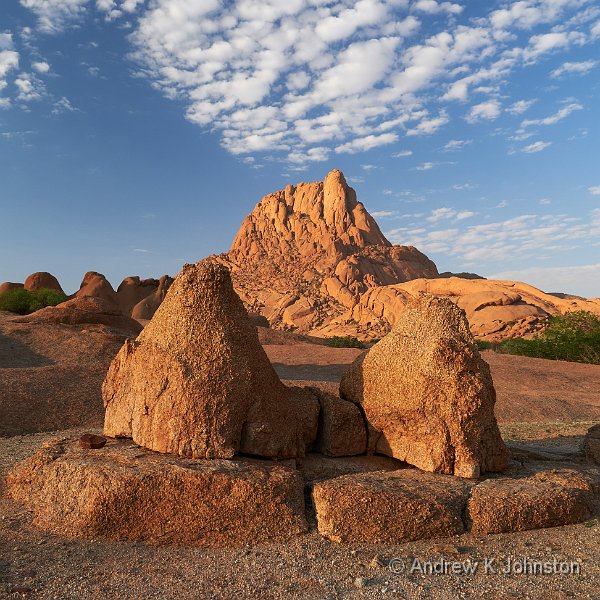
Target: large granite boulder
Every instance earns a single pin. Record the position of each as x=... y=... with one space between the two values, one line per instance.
x=428 y=395
x=197 y=382
x=123 y=492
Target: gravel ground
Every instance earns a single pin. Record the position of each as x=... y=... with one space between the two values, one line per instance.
x=40 y=565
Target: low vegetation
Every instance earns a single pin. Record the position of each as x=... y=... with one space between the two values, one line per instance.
x=24 y=302
x=572 y=337
x=346 y=341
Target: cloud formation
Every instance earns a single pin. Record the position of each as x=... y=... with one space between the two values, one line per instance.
x=305 y=79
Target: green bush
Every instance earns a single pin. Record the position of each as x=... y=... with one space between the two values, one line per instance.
x=24 y=302
x=346 y=341
x=572 y=337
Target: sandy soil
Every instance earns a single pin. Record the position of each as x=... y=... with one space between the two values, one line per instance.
x=544 y=409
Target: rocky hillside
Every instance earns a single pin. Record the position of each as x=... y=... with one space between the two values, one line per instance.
x=306 y=254
x=310 y=258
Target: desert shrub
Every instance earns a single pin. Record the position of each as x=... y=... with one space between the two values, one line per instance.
x=572 y=337
x=24 y=302
x=345 y=341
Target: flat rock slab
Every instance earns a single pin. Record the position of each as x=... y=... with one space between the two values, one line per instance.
x=547 y=498
x=393 y=506
x=405 y=505
x=124 y=492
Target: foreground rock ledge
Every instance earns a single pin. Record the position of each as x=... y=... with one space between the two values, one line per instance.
x=408 y=504
x=125 y=492
x=391 y=506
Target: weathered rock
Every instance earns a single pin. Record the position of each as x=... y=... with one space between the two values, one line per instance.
x=42 y=281
x=393 y=506
x=96 y=285
x=123 y=492
x=85 y=310
x=428 y=394
x=305 y=253
x=7 y=286
x=133 y=290
x=496 y=310
x=197 y=382
x=342 y=429
x=547 y=498
x=145 y=309
x=51 y=372
x=591 y=445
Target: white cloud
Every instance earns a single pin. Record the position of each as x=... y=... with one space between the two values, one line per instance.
x=429 y=126
x=9 y=61
x=367 y=142
x=426 y=166
x=454 y=145
x=595 y=30
x=383 y=214
x=523 y=236
x=432 y=7
x=40 y=67
x=574 y=68
x=489 y=111
x=63 y=105
x=594 y=190
x=54 y=15
x=29 y=87
x=536 y=147
x=563 y=113
x=521 y=106
x=305 y=78
x=445 y=213
x=548 y=42
x=402 y=154
x=579 y=279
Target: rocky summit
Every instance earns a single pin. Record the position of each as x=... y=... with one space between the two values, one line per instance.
x=306 y=254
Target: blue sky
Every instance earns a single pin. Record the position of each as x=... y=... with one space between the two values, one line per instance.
x=136 y=135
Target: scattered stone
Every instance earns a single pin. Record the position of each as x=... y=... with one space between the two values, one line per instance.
x=428 y=394
x=342 y=429
x=198 y=383
x=91 y=441
x=547 y=498
x=392 y=507
x=591 y=445
x=113 y=494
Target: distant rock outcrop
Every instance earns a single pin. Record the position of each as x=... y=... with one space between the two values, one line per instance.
x=198 y=383
x=144 y=310
x=42 y=281
x=495 y=309
x=427 y=394
x=306 y=254
x=84 y=310
x=96 y=285
x=7 y=286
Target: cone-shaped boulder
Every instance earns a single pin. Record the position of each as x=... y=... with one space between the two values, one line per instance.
x=428 y=395
x=197 y=382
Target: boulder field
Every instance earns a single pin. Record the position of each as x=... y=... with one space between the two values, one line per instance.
x=203 y=444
